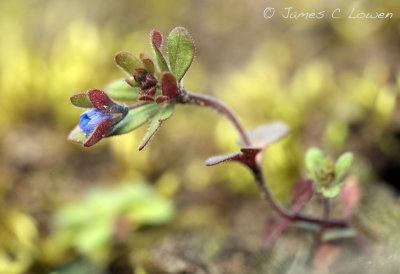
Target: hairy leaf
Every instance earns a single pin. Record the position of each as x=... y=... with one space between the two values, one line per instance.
x=148 y=65
x=121 y=90
x=81 y=100
x=181 y=51
x=102 y=130
x=163 y=114
x=127 y=62
x=135 y=118
x=156 y=43
x=102 y=101
x=169 y=86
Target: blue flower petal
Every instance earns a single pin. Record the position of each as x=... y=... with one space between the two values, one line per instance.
x=91 y=118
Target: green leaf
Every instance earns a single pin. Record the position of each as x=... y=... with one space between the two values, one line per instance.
x=148 y=65
x=165 y=112
x=333 y=191
x=127 y=62
x=120 y=90
x=77 y=136
x=314 y=159
x=343 y=164
x=181 y=51
x=135 y=118
x=81 y=100
x=156 y=43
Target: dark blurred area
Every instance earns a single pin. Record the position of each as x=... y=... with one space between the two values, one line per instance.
x=113 y=209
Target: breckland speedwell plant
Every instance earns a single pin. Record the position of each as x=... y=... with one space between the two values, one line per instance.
x=156 y=86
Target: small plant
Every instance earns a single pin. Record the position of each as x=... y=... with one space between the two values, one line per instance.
x=155 y=85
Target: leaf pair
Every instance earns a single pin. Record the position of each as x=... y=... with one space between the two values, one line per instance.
x=129 y=63
x=326 y=173
x=181 y=51
x=259 y=138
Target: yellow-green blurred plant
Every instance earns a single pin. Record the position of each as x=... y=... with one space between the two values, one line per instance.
x=18 y=239
x=106 y=217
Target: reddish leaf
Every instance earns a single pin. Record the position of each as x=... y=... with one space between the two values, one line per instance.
x=131 y=82
x=246 y=156
x=160 y=99
x=325 y=255
x=151 y=91
x=101 y=131
x=102 y=101
x=151 y=80
x=350 y=196
x=156 y=38
x=302 y=192
x=146 y=98
x=169 y=86
x=273 y=228
x=156 y=42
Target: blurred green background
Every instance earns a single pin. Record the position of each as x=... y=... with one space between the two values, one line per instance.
x=101 y=210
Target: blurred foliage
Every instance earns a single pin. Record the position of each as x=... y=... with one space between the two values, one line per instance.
x=107 y=215
x=335 y=82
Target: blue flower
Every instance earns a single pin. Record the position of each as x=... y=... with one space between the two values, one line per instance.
x=91 y=118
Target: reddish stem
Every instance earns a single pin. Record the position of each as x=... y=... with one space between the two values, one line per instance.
x=203 y=100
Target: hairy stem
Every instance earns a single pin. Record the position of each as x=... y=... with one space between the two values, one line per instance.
x=203 y=100
x=287 y=214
